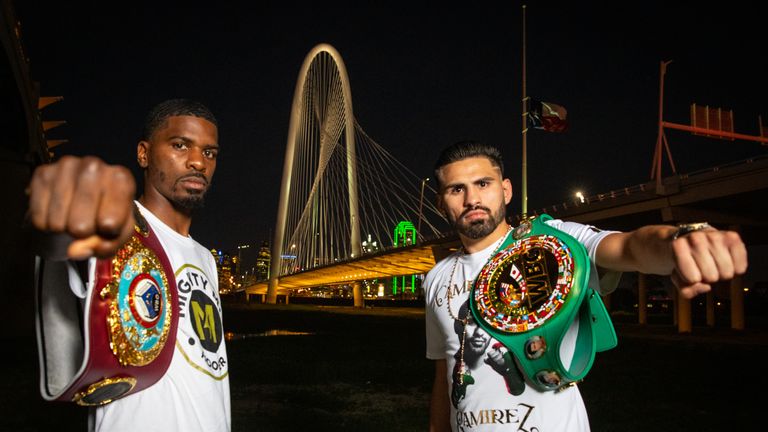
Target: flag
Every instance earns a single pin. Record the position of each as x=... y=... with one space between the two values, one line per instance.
x=547 y=116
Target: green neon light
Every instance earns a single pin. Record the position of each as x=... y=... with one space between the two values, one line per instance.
x=401 y=233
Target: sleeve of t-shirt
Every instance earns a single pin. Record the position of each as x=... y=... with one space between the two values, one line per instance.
x=214 y=272
x=435 y=338
x=590 y=236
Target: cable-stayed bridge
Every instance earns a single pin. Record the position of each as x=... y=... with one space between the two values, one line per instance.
x=343 y=196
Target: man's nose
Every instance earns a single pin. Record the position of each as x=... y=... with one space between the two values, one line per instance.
x=196 y=160
x=471 y=197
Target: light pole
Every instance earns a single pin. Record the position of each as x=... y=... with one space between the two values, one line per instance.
x=524 y=183
x=421 y=201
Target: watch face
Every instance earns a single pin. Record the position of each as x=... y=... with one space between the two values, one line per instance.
x=521 y=230
x=683 y=229
x=525 y=284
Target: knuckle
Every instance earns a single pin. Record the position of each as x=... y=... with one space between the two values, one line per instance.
x=710 y=276
x=109 y=225
x=732 y=237
x=91 y=165
x=38 y=221
x=43 y=174
x=68 y=160
x=69 y=164
x=679 y=247
x=80 y=229
x=122 y=175
x=698 y=239
x=92 y=160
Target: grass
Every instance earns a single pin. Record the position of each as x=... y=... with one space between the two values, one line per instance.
x=365 y=370
x=356 y=372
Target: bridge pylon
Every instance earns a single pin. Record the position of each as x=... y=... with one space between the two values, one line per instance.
x=326 y=121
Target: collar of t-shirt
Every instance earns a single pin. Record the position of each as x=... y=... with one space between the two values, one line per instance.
x=159 y=225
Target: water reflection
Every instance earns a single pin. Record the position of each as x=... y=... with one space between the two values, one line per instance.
x=274 y=332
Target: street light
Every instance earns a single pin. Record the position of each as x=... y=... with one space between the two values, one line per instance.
x=421 y=200
x=580 y=196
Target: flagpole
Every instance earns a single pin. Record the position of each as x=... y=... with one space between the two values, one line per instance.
x=524 y=183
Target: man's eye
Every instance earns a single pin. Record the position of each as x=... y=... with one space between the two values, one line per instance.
x=178 y=145
x=210 y=154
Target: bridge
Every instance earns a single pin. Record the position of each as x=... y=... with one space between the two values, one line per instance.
x=389 y=263
x=703 y=195
x=347 y=207
x=333 y=190
x=728 y=195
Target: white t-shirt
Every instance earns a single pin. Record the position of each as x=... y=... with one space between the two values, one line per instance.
x=489 y=400
x=193 y=395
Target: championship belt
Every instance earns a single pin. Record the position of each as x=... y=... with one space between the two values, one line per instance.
x=529 y=295
x=122 y=338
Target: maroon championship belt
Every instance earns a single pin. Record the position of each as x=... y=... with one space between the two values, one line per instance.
x=118 y=340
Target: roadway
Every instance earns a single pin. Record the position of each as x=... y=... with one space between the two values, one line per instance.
x=408 y=260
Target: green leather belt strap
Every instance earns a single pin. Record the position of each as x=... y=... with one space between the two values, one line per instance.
x=528 y=296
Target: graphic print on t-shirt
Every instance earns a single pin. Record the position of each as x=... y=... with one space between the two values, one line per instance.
x=200 y=322
x=480 y=350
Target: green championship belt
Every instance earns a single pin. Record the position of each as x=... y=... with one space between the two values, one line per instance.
x=529 y=295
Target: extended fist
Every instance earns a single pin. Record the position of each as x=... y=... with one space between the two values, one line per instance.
x=704 y=257
x=85 y=199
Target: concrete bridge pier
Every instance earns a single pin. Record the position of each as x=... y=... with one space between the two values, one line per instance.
x=642 y=299
x=272 y=290
x=736 y=293
x=357 y=293
x=684 y=320
x=710 y=305
x=737 y=303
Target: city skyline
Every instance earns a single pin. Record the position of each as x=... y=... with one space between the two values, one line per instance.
x=419 y=78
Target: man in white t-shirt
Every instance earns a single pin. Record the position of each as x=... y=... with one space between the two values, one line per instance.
x=477 y=386
x=94 y=204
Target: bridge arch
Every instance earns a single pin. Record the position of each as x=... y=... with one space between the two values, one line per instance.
x=318 y=100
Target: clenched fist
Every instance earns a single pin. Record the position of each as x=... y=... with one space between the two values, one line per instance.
x=86 y=200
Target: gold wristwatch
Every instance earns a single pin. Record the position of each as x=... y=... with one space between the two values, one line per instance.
x=685 y=228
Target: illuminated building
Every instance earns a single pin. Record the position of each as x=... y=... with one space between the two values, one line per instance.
x=224 y=268
x=404 y=235
x=263 y=262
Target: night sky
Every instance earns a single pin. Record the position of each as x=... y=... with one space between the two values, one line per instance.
x=421 y=78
